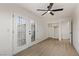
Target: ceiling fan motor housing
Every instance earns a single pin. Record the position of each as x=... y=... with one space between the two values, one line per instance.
x=48 y=6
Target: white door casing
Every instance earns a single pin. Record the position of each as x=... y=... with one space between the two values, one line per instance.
x=28 y=33
x=19 y=33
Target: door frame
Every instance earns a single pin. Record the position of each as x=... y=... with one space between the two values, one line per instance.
x=71 y=32
x=16 y=49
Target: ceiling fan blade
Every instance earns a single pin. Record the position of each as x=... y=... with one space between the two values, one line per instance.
x=51 y=13
x=41 y=10
x=44 y=13
x=50 y=6
x=58 y=9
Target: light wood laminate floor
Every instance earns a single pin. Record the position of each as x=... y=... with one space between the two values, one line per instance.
x=50 y=47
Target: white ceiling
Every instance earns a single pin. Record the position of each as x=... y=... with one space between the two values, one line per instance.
x=32 y=7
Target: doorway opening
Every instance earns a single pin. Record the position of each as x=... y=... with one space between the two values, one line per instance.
x=61 y=30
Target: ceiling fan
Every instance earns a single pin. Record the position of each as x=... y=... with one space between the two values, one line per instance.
x=49 y=9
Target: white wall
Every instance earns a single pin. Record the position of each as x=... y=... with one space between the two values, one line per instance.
x=76 y=28
x=6 y=41
x=5 y=31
